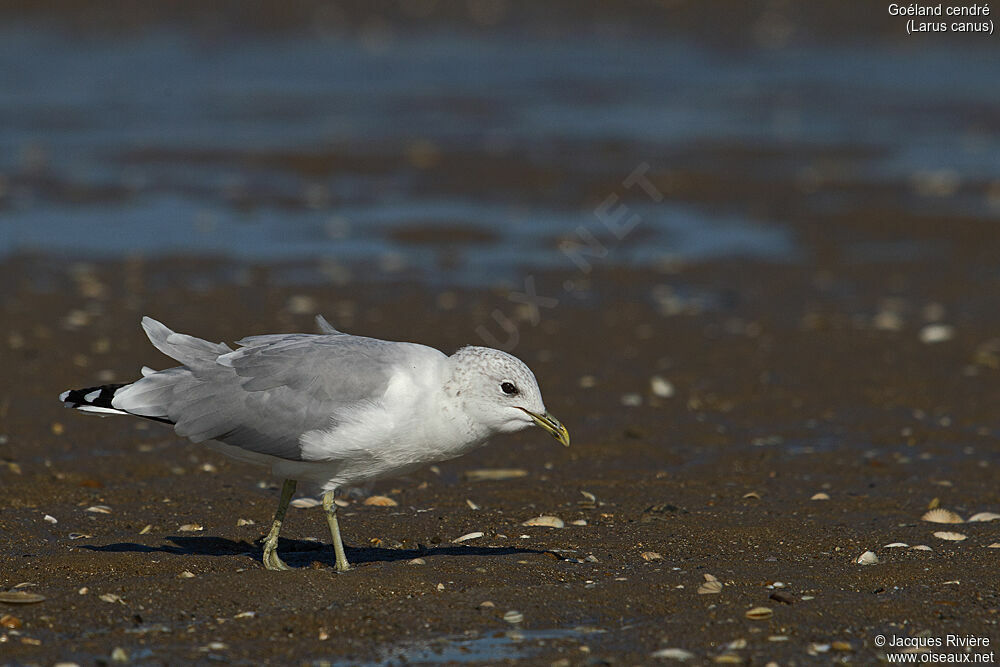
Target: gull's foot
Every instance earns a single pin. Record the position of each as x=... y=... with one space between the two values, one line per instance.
x=272 y=561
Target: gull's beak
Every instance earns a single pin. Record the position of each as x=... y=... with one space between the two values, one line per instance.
x=550 y=424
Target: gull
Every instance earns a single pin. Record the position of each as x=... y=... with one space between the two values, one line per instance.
x=331 y=409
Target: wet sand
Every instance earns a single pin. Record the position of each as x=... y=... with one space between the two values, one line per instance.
x=789 y=380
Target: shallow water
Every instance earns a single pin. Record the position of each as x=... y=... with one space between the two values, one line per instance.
x=313 y=146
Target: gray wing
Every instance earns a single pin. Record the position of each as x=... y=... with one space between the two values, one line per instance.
x=266 y=394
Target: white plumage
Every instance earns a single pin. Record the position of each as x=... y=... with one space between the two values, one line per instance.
x=331 y=409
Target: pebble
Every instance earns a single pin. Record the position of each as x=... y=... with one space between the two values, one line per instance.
x=244 y=522
x=546 y=521
x=380 y=501
x=588 y=381
x=513 y=616
x=10 y=622
x=867 y=558
x=111 y=597
x=50 y=519
x=820 y=496
x=468 y=536
x=783 y=597
x=579 y=522
x=417 y=561
x=661 y=387
x=119 y=655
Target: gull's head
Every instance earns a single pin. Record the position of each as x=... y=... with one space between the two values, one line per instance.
x=499 y=392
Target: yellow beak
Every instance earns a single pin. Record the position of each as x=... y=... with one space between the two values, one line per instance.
x=552 y=425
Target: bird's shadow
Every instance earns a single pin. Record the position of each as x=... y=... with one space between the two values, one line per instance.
x=301 y=553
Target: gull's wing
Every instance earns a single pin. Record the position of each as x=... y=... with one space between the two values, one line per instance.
x=264 y=395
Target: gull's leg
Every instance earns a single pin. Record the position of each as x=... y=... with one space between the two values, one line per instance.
x=271 y=560
x=330 y=508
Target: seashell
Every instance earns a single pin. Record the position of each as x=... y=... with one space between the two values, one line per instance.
x=921 y=547
x=186 y=574
x=896 y=545
x=820 y=496
x=305 y=503
x=579 y=522
x=651 y=555
x=946 y=535
x=20 y=597
x=417 y=561
x=712 y=587
x=984 y=516
x=661 y=387
x=145 y=529
x=544 y=520
x=867 y=558
x=673 y=654
x=494 y=474
x=759 y=613
x=191 y=528
x=472 y=505
x=941 y=515
x=995 y=545
x=468 y=536
x=380 y=501
x=98 y=509
x=111 y=597
x=753 y=495
x=513 y=617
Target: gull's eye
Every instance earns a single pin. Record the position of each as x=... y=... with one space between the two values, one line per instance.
x=508 y=388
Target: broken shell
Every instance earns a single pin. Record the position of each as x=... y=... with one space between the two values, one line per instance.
x=759 y=613
x=145 y=529
x=50 y=519
x=468 y=536
x=984 y=516
x=99 y=509
x=711 y=587
x=753 y=495
x=186 y=574
x=380 y=501
x=417 y=561
x=472 y=505
x=10 y=622
x=191 y=528
x=867 y=558
x=111 y=597
x=305 y=503
x=651 y=555
x=896 y=545
x=545 y=520
x=995 y=545
x=947 y=535
x=20 y=597
x=921 y=547
x=820 y=496
x=941 y=515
